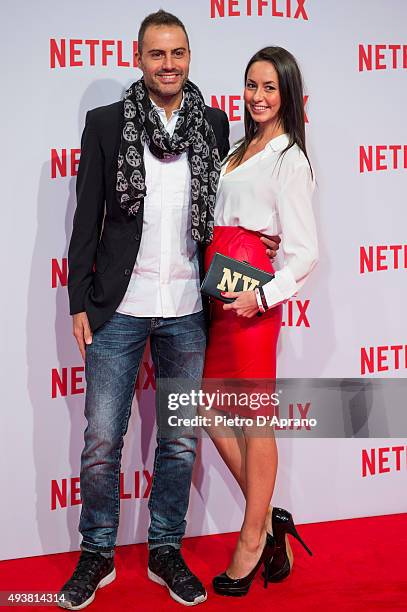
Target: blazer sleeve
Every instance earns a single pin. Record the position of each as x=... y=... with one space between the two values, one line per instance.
x=225 y=136
x=220 y=125
x=88 y=218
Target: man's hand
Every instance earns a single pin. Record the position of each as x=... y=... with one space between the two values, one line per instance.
x=272 y=243
x=82 y=331
x=245 y=304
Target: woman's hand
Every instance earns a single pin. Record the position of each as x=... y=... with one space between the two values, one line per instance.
x=273 y=244
x=245 y=304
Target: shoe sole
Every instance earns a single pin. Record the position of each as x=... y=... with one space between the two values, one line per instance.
x=104 y=582
x=230 y=593
x=176 y=597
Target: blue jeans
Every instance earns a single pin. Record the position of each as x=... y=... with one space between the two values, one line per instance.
x=112 y=364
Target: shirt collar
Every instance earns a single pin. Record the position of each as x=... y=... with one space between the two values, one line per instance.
x=162 y=111
x=278 y=143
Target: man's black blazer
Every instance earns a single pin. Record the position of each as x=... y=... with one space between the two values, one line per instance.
x=105 y=240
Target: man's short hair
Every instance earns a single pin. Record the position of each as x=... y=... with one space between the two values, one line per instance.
x=160 y=18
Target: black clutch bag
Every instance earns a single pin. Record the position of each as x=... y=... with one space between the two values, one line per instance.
x=228 y=274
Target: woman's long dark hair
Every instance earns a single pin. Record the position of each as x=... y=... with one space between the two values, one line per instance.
x=291 y=113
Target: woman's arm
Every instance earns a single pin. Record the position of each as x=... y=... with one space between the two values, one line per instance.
x=299 y=243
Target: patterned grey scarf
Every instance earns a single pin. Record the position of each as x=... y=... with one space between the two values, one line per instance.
x=193 y=134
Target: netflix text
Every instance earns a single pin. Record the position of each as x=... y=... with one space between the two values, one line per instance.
x=65 y=162
x=66 y=492
x=382 y=257
x=382 y=57
x=382 y=157
x=79 y=53
x=233 y=106
x=288 y=9
x=385 y=358
x=69 y=381
x=295 y=314
x=383 y=460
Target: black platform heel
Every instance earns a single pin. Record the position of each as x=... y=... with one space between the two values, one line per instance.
x=279 y=567
x=224 y=585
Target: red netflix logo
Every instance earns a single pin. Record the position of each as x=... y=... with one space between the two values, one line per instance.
x=383 y=358
x=70 y=381
x=59 y=272
x=233 y=106
x=146 y=377
x=289 y=9
x=295 y=314
x=59 y=162
x=382 y=57
x=382 y=257
x=383 y=460
x=66 y=492
x=67 y=381
x=76 y=52
x=295 y=412
x=382 y=157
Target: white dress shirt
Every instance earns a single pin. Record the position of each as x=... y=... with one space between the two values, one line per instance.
x=165 y=278
x=273 y=196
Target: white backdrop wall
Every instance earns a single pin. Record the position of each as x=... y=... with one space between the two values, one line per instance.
x=354 y=60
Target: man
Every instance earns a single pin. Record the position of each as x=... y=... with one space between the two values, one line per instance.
x=145 y=195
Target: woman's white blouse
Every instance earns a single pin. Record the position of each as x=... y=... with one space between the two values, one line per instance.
x=272 y=195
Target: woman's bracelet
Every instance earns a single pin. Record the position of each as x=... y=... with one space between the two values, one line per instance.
x=263 y=298
x=259 y=300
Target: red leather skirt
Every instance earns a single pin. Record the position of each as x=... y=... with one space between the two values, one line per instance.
x=238 y=347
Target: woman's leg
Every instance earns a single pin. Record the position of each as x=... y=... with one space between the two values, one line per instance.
x=231 y=446
x=260 y=474
x=244 y=350
x=252 y=459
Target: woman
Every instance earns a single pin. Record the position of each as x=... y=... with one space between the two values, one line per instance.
x=265 y=188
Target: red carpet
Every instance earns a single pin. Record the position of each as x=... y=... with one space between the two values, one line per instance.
x=358 y=564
